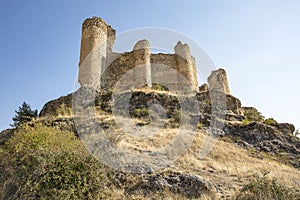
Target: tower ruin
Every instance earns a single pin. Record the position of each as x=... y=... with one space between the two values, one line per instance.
x=100 y=67
x=218 y=81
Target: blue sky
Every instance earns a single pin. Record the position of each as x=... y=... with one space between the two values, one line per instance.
x=257 y=42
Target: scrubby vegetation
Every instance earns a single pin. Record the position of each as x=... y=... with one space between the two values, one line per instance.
x=297 y=132
x=141 y=112
x=263 y=188
x=45 y=163
x=270 y=121
x=159 y=87
x=253 y=115
x=246 y=122
x=63 y=110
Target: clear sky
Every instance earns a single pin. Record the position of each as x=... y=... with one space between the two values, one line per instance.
x=257 y=42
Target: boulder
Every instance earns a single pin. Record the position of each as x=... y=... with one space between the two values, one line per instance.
x=188 y=185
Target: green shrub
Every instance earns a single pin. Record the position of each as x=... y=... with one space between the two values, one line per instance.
x=262 y=187
x=45 y=163
x=270 y=121
x=63 y=110
x=141 y=112
x=159 y=87
x=253 y=115
x=199 y=125
x=246 y=122
x=180 y=117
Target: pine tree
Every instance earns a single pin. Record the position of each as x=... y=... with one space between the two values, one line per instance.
x=24 y=114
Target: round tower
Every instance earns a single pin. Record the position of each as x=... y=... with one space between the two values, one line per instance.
x=93 y=51
x=186 y=64
x=142 y=53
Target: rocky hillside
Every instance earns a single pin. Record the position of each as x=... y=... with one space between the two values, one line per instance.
x=248 y=145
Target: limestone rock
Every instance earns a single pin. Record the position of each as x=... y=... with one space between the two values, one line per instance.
x=188 y=185
x=268 y=138
x=285 y=127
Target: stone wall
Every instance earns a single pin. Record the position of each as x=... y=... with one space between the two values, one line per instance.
x=186 y=64
x=119 y=66
x=218 y=81
x=93 y=51
x=97 y=59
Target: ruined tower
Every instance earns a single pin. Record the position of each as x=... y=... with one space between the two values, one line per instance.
x=186 y=64
x=96 y=43
x=218 y=81
x=101 y=68
x=141 y=56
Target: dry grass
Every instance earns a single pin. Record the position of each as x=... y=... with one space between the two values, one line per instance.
x=227 y=164
x=234 y=165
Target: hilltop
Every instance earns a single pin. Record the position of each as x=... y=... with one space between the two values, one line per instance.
x=185 y=141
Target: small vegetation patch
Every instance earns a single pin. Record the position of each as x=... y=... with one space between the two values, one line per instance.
x=159 y=87
x=262 y=187
x=270 y=121
x=141 y=112
x=64 y=110
x=246 y=122
x=253 y=115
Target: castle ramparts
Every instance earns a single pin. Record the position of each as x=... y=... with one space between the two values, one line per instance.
x=97 y=59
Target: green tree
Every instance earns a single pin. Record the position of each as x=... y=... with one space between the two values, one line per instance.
x=24 y=114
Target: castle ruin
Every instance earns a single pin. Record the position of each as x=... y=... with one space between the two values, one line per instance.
x=97 y=59
x=102 y=68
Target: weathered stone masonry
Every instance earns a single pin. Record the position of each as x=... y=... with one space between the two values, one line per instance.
x=98 y=60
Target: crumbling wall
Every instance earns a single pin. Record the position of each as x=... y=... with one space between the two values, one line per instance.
x=218 y=81
x=97 y=59
x=120 y=66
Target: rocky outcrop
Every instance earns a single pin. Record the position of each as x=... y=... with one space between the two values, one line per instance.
x=268 y=138
x=50 y=108
x=188 y=185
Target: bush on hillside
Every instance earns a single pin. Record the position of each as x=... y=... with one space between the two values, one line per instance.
x=262 y=187
x=270 y=121
x=253 y=115
x=44 y=163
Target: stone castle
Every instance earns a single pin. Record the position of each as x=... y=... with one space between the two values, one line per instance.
x=97 y=59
